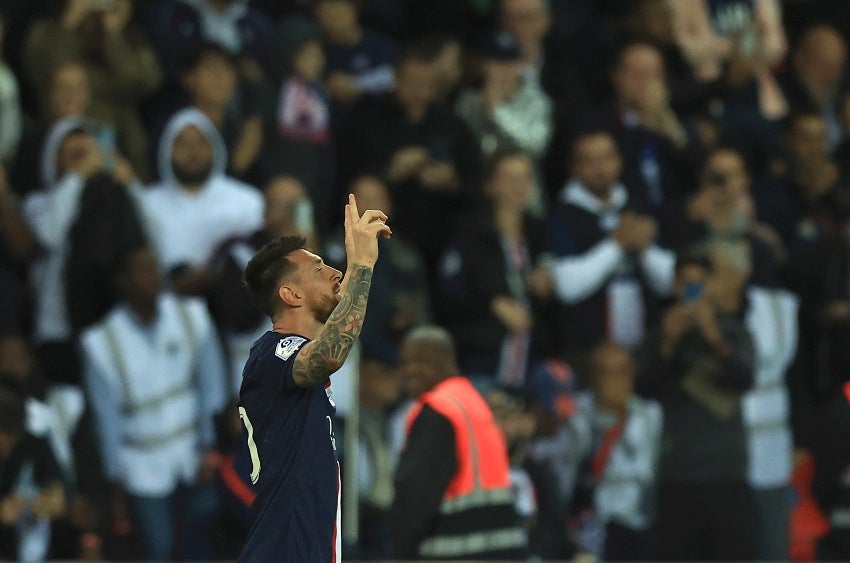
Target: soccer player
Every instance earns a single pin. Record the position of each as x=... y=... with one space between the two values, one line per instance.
x=285 y=400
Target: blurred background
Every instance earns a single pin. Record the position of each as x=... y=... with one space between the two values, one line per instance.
x=632 y=216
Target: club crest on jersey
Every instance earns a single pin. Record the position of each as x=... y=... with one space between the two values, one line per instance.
x=288 y=346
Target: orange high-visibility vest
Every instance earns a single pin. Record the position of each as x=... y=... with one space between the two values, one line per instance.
x=481 y=480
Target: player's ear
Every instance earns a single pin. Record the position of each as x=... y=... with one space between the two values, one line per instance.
x=289 y=295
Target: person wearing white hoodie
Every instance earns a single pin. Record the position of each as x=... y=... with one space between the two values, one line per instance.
x=195 y=207
x=70 y=158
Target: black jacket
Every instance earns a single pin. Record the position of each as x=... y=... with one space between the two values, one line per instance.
x=474 y=272
x=377 y=130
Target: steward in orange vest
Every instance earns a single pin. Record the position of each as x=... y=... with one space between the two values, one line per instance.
x=453 y=498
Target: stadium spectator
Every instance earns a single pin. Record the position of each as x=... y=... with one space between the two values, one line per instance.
x=449 y=492
x=722 y=209
x=360 y=61
x=71 y=163
x=483 y=297
x=10 y=105
x=620 y=459
x=771 y=319
x=608 y=272
x=816 y=274
x=212 y=81
x=380 y=389
x=799 y=195
x=177 y=29
x=298 y=135
x=819 y=71
x=555 y=456
x=195 y=207
x=31 y=491
x=707 y=32
x=510 y=110
x=698 y=365
x=56 y=414
x=424 y=153
x=449 y=63
x=546 y=60
x=829 y=483
x=122 y=69
x=659 y=150
x=155 y=377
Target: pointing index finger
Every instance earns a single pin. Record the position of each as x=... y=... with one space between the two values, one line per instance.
x=352 y=201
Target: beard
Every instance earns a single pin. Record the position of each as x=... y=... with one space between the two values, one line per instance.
x=325 y=307
x=191 y=177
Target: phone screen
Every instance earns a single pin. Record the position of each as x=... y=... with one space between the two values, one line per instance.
x=692 y=292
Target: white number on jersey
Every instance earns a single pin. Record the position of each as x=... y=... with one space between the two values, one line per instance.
x=252 y=446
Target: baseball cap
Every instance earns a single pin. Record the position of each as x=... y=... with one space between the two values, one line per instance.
x=553 y=384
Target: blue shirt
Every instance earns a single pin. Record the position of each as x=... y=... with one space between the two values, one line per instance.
x=290 y=440
x=370 y=61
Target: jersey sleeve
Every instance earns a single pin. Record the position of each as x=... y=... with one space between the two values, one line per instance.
x=284 y=357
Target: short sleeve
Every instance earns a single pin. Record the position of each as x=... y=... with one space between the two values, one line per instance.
x=284 y=354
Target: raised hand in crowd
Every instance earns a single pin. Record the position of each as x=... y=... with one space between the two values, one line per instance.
x=439 y=176
x=511 y=313
x=635 y=232
x=657 y=115
x=540 y=282
x=406 y=163
x=116 y=15
x=342 y=87
x=676 y=322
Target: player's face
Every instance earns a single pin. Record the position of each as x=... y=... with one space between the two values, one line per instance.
x=320 y=284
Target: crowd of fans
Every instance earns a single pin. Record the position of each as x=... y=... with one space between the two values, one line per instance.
x=632 y=216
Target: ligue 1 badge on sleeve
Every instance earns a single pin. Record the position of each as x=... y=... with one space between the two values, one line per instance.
x=288 y=346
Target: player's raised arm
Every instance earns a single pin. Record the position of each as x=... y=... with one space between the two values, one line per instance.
x=326 y=353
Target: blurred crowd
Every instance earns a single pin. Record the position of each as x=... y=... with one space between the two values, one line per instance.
x=633 y=217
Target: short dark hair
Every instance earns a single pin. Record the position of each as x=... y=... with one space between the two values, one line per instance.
x=268 y=268
x=586 y=128
x=492 y=164
x=210 y=50
x=420 y=50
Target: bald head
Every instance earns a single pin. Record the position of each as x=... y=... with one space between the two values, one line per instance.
x=434 y=340
x=820 y=59
x=427 y=357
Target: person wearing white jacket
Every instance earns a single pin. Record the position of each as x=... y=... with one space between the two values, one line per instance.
x=771 y=320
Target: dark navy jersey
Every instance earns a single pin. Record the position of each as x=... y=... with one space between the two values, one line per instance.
x=290 y=440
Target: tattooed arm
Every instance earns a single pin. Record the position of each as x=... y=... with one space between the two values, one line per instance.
x=325 y=354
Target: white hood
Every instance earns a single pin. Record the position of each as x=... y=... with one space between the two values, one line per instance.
x=178 y=122
x=50 y=148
